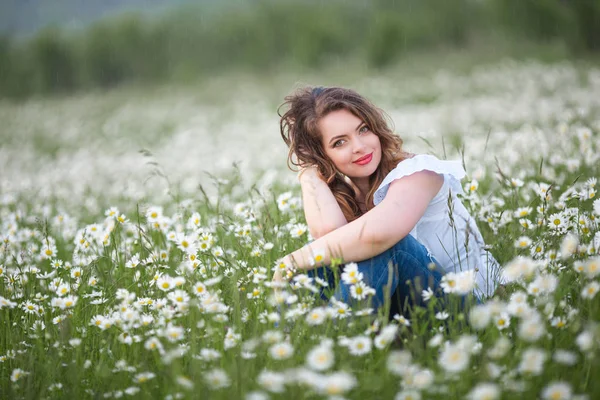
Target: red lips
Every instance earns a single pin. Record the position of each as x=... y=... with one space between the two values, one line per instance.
x=364 y=160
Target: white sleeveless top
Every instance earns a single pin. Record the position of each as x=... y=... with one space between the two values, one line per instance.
x=451 y=237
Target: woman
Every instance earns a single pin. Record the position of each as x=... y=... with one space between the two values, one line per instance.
x=368 y=201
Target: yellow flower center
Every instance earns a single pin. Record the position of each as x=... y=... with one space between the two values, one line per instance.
x=556 y=396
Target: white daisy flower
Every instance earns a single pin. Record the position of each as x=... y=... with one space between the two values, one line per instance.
x=523 y=212
x=442 y=315
x=335 y=384
x=409 y=394
x=385 y=337
x=523 y=242
x=564 y=357
x=454 y=358
x=427 y=294
x=502 y=321
x=297 y=230
x=281 y=351
x=173 y=333
x=568 y=246
x=597 y=207
x=316 y=316
x=557 y=391
x=351 y=275
x=592 y=267
x=398 y=361
x=531 y=329
x=589 y=291
x=317 y=258
x=273 y=382
x=557 y=222
x=217 y=379
x=402 y=320
x=165 y=283
x=532 y=361
x=480 y=316
x=360 y=291
x=320 y=358
x=520 y=267
x=484 y=391
x=359 y=345
x=144 y=377
x=17 y=374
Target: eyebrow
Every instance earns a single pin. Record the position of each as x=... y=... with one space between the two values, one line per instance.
x=340 y=136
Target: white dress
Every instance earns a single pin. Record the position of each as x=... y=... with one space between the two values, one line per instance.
x=452 y=237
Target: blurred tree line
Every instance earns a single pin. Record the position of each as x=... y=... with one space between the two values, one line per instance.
x=264 y=33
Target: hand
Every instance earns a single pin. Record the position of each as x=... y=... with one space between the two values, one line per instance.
x=309 y=171
x=283 y=271
x=278 y=277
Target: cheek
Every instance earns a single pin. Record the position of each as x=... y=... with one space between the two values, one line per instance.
x=342 y=157
x=376 y=144
x=377 y=141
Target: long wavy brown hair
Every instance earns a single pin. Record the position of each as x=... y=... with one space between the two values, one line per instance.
x=298 y=126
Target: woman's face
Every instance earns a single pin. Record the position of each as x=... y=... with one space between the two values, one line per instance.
x=350 y=144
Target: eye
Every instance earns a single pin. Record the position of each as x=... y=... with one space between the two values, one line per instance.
x=338 y=143
x=363 y=129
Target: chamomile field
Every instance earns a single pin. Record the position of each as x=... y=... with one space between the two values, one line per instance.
x=140 y=229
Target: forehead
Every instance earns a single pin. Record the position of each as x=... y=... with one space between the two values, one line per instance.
x=339 y=122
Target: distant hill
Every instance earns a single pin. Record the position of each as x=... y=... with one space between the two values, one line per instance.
x=24 y=17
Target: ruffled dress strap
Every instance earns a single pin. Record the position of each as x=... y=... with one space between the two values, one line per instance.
x=452 y=171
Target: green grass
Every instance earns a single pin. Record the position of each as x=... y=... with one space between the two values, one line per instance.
x=246 y=230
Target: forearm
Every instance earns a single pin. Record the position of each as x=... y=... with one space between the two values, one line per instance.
x=356 y=241
x=378 y=229
x=321 y=210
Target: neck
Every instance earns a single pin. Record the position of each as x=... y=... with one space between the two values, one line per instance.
x=362 y=184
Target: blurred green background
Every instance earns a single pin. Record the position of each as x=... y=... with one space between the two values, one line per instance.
x=63 y=46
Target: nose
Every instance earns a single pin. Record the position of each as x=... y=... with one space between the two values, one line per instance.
x=358 y=145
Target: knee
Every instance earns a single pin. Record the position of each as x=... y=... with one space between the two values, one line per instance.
x=410 y=245
x=412 y=251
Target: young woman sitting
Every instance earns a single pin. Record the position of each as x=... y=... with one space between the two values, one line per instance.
x=395 y=214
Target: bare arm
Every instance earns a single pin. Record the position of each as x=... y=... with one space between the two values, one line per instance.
x=378 y=229
x=321 y=210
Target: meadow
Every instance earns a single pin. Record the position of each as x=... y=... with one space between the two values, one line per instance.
x=140 y=229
